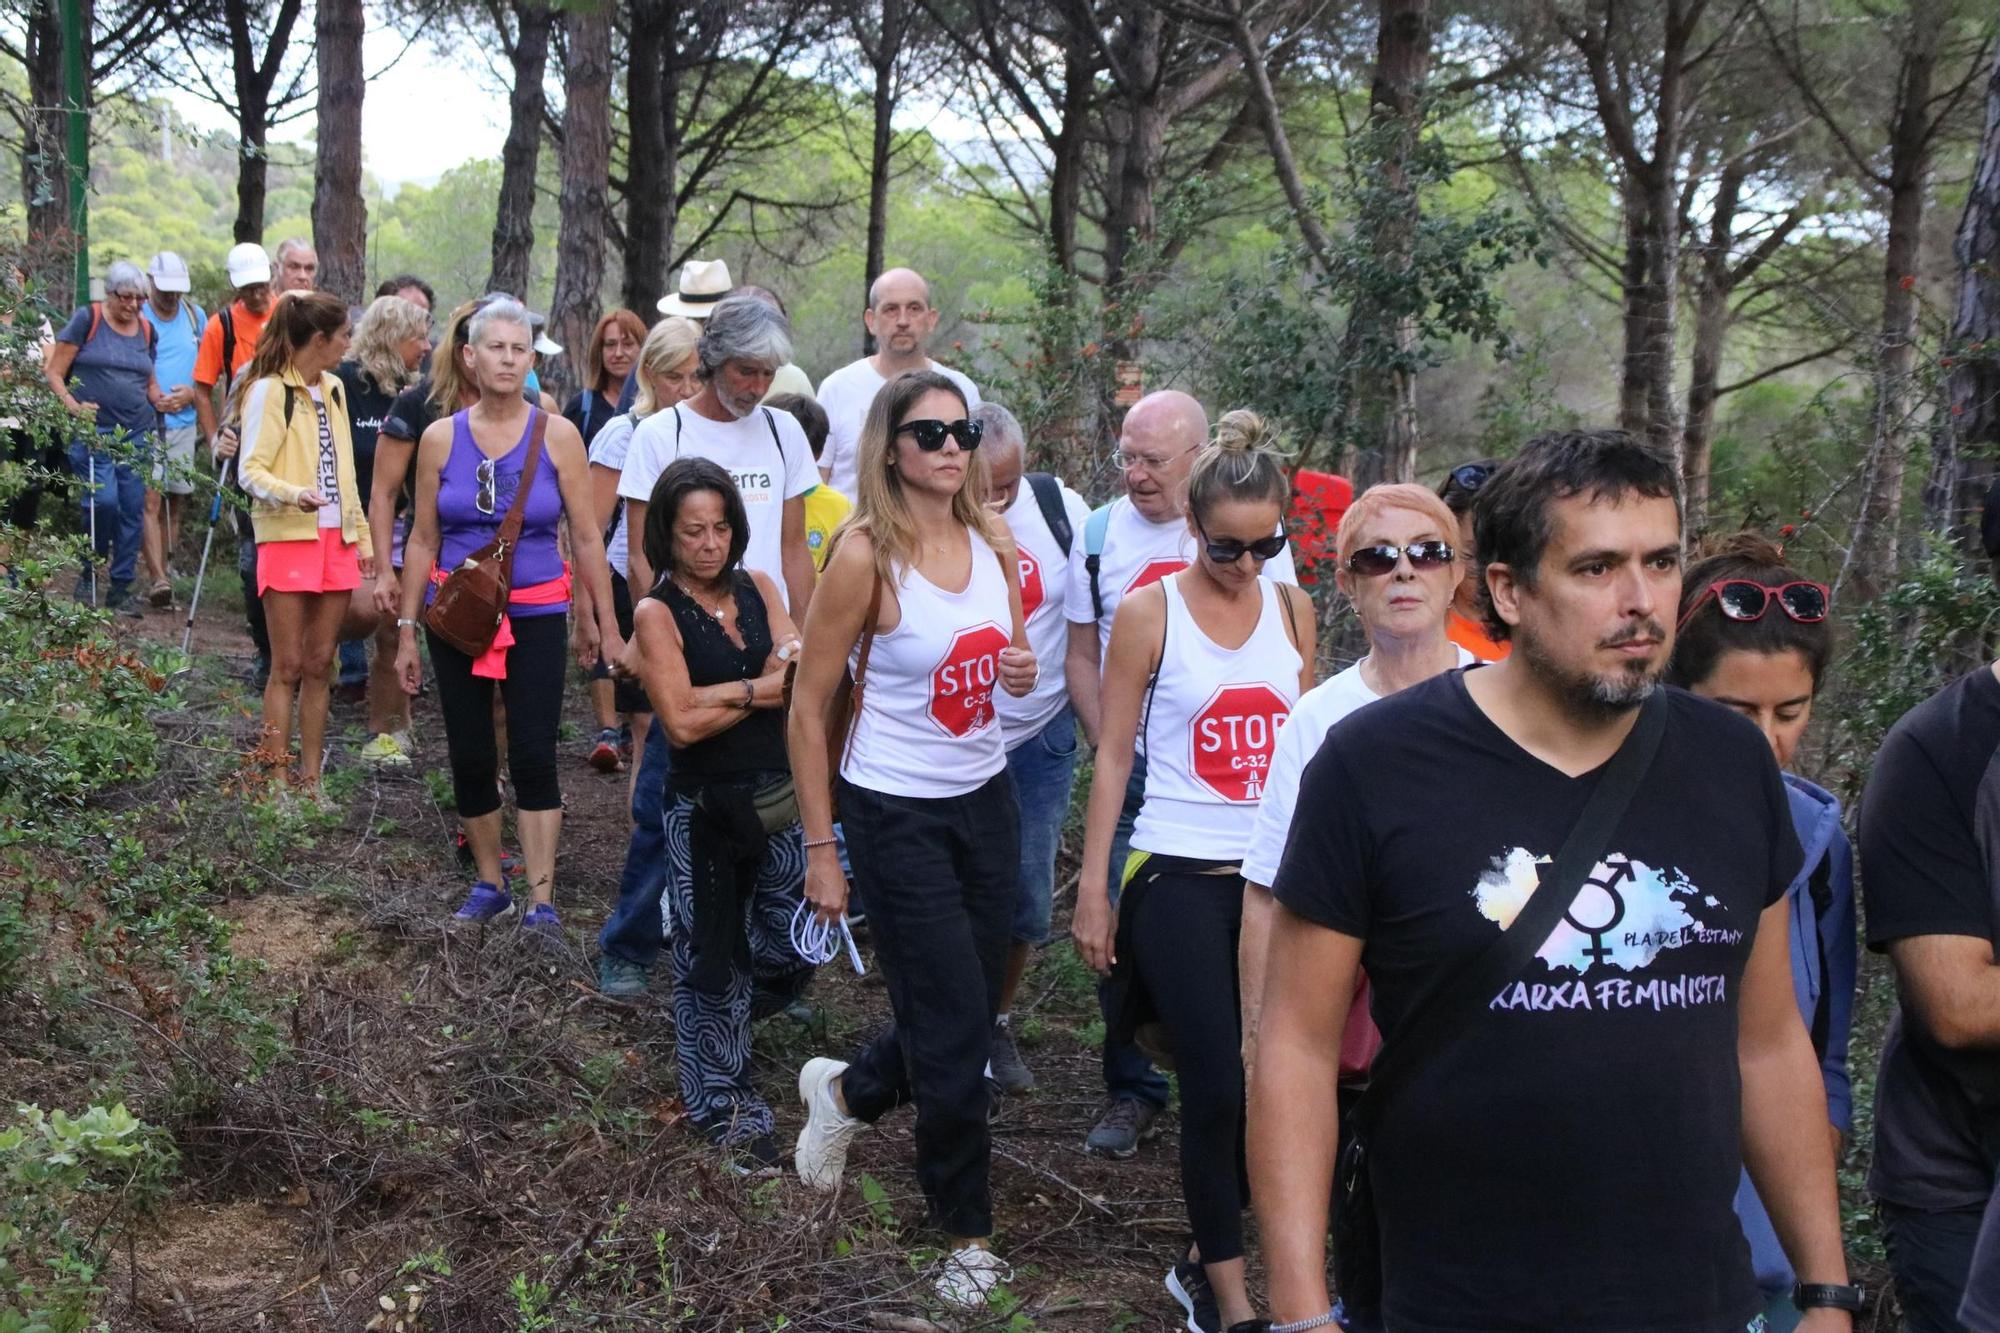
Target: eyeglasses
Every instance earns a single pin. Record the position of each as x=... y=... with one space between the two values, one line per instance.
x=930 y=435
x=485 y=474
x=1227 y=550
x=1746 y=600
x=1377 y=560
x=128 y=296
x=1124 y=460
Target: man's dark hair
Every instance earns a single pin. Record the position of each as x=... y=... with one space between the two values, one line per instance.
x=391 y=286
x=808 y=413
x=682 y=478
x=1512 y=518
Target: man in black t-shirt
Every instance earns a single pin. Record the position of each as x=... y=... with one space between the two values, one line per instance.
x=1570 y=1161
x=1929 y=820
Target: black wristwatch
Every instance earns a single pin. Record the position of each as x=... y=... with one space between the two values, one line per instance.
x=1827 y=1296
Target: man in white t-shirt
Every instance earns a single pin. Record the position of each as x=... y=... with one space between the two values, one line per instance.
x=1135 y=540
x=901 y=318
x=743 y=343
x=1047 y=519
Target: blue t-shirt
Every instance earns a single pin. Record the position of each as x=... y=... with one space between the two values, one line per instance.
x=173 y=354
x=112 y=370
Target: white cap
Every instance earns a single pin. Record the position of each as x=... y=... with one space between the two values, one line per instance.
x=248 y=265
x=546 y=345
x=703 y=283
x=169 y=272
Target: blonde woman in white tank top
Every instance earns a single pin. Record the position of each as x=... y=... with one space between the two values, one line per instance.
x=1207 y=664
x=929 y=813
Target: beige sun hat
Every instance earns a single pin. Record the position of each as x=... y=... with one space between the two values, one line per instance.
x=703 y=283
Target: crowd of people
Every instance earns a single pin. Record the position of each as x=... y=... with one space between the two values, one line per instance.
x=1513 y=953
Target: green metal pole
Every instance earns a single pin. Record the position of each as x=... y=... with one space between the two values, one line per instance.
x=77 y=152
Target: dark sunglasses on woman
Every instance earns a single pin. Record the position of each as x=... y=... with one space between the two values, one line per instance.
x=1746 y=599
x=1227 y=550
x=930 y=435
x=1378 y=560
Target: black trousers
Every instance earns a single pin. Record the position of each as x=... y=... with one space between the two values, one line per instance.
x=52 y=458
x=537 y=666
x=1184 y=939
x=939 y=876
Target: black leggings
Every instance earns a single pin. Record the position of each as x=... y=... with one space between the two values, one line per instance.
x=536 y=667
x=23 y=448
x=1184 y=944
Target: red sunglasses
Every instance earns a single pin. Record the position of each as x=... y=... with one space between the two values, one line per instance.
x=1746 y=599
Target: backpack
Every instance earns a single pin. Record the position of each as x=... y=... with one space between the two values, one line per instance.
x=1048 y=498
x=97 y=321
x=229 y=355
x=1094 y=529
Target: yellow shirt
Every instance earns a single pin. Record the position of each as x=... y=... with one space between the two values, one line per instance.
x=825 y=508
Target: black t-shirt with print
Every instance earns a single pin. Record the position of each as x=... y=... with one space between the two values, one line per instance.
x=1572 y=1161
x=367 y=407
x=1929 y=823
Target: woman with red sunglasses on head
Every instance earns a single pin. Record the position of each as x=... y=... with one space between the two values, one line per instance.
x=1754 y=637
x=1202 y=670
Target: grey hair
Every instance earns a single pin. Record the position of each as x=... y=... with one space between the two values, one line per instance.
x=291 y=243
x=501 y=310
x=743 y=328
x=1001 y=427
x=124 y=276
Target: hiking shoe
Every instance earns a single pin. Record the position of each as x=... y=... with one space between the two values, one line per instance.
x=972 y=1273
x=161 y=594
x=1187 y=1282
x=385 y=751
x=604 y=758
x=618 y=979
x=484 y=903
x=1004 y=1061
x=1126 y=1123
x=821 y=1155
x=542 y=922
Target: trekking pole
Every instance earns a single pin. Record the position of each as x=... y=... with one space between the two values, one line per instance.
x=90 y=460
x=207 y=543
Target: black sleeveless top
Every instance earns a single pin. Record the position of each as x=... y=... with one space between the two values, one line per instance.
x=757 y=743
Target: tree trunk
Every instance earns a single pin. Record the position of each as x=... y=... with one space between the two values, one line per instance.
x=514 y=219
x=1871 y=558
x=45 y=155
x=1632 y=364
x=339 y=213
x=882 y=56
x=252 y=163
x=1138 y=127
x=1711 y=326
x=649 y=167
x=586 y=168
x=1067 y=152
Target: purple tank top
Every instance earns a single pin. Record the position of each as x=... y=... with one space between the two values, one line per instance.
x=464 y=527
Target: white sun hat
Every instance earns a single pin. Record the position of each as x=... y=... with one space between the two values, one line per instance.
x=703 y=283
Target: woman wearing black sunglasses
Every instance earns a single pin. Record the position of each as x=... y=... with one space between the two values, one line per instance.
x=1202 y=671
x=921 y=602
x=470 y=466
x=1754 y=637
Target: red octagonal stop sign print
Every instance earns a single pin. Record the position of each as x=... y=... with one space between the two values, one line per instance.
x=1153 y=571
x=962 y=684
x=1231 y=739
x=1032 y=591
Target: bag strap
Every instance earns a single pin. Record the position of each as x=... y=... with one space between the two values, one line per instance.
x=861 y=668
x=1049 y=499
x=1444 y=1012
x=510 y=526
x=1094 y=529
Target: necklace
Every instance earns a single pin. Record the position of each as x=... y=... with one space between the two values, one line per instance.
x=716 y=613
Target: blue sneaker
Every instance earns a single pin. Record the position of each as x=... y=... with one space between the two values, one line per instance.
x=541 y=920
x=484 y=903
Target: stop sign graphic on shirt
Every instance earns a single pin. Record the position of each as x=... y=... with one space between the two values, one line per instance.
x=1032 y=591
x=1231 y=738
x=1153 y=571
x=962 y=684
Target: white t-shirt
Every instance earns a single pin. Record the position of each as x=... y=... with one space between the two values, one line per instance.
x=1044 y=587
x=1318 y=709
x=609 y=449
x=766 y=452
x=1138 y=551
x=847 y=394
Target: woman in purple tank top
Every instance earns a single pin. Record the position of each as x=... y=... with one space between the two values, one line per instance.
x=469 y=469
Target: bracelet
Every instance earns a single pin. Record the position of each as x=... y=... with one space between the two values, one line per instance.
x=404 y=622
x=1317 y=1321
x=749 y=695
x=811 y=843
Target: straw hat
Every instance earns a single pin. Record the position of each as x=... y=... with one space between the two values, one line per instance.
x=703 y=283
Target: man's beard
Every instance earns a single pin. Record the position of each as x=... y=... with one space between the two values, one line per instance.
x=1585 y=692
x=737 y=409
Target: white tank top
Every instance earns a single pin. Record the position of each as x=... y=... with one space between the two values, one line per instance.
x=1211 y=729
x=927 y=726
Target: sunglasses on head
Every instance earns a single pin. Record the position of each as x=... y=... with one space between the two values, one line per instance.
x=930 y=435
x=1469 y=477
x=1377 y=560
x=1227 y=550
x=1746 y=599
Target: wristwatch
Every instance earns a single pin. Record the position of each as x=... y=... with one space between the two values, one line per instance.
x=404 y=622
x=1827 y=1296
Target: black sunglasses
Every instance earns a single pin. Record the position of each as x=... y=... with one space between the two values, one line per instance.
x=1377 y=560
x=1469 y=477
x=930 y=435
x=1744 y=599
x=1227 y=550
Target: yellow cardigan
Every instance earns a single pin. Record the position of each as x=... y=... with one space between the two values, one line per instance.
x=279 y=463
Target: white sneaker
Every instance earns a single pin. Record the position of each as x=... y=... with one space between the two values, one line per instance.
x=972 y=1274
x=821 y=1156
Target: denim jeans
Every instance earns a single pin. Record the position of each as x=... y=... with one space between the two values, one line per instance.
x=1043 y=768
x=939 y=874
x=635 y=931
x=1127 y=1073
x=353 y=663
x=116 y=489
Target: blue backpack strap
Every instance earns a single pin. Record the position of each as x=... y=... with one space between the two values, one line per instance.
x=1094 y=529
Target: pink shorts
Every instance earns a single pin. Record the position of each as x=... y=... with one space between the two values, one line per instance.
x=327 y=564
